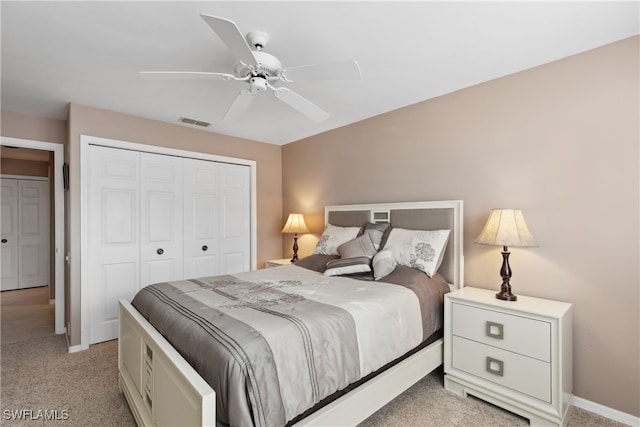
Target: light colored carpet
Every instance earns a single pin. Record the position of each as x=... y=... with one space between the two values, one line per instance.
x=26 y=314
x=39 y=375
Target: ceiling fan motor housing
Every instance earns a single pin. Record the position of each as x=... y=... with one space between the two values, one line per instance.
x=268 y=66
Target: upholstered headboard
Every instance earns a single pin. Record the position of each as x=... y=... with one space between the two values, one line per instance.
x=415 y=216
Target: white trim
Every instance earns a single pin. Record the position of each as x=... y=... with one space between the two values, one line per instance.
x=605 y=411
x=85 y=141
x=58 y=160
x=26 y=177
x=77 y=348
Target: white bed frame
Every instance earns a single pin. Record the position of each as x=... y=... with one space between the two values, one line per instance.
x=164 y=390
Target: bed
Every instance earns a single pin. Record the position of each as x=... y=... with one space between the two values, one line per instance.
x=322 y=303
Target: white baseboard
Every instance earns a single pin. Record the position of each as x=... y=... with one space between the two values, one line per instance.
x=77 y=348
x=73 y=348
x=605 y=411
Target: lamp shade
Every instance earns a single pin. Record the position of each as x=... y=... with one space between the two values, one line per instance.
x=295 y=224
x=506 y=227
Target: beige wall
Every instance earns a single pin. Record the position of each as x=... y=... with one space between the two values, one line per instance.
x=85 y=120
x=560 y=142
x=24 y=167
x=23 y=126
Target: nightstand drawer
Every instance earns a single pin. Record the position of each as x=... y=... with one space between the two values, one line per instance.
x=520 y=373
x=522 y=335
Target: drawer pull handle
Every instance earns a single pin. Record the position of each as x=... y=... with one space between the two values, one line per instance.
x=495 y=330
x=495 y=366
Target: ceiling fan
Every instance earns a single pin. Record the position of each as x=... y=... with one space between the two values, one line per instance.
x=260 y=69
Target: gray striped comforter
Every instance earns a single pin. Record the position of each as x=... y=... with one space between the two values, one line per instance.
x=274 y=342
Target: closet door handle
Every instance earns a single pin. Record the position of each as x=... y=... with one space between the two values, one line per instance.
x=160 y=251
x=205 y=247
x=4 y=240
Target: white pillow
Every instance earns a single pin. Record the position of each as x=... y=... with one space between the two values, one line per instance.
x=334 y=236
x=383 y=264
x=418 y=248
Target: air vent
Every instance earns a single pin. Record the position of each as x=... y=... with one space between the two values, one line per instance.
x=194 y=122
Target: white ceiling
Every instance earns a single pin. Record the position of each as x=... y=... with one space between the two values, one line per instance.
x=90 y=53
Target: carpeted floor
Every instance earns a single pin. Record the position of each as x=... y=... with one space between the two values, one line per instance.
x=81 y=389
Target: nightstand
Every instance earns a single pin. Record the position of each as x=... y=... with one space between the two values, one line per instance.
x=514 y=354
x=277 y=262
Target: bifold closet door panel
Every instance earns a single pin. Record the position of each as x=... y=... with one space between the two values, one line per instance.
x=161 y=205
x=33 y=226
x=201 y=218
x=235 y=218
x=25 y=233
x=113 y=253
x=9 y=247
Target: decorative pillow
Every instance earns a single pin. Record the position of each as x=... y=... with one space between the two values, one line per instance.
x=383 y=264
x=418 y=248
x=339 y=267
x=360 y=246
x=332 y=237
x=376 y=232
x=316 y=262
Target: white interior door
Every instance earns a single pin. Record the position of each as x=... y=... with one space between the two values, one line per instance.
x=33 y=226
x=235 y=218
x=9 y=246
x=113 y=236
x=201 y=218
x=162 y=218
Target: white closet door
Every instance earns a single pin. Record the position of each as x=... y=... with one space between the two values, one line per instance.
x=113 y=236
x=235 y=218
x=162 y=218
x=33 y=225
x=9 y=247
x=201 y=218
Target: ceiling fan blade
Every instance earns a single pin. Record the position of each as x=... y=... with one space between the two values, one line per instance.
x=301 y=104
x=187 y=75
x=240 y=105
x=347 y=70
x=232 y=37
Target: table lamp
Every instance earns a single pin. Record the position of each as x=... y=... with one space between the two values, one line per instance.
x=295 y=224
x=506 y=227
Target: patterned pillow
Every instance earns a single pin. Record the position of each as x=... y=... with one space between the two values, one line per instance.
x=332 y=237
x=418 y=248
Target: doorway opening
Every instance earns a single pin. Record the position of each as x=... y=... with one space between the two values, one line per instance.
x=55 y=153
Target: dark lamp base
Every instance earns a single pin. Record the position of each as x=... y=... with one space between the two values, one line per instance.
x=505 y=272
x=506 y=296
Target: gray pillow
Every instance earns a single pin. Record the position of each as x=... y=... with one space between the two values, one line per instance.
x=376 y=232
x=316 y=262
x=359 y=247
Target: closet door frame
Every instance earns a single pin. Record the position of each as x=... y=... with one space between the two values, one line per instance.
x=85 y=142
